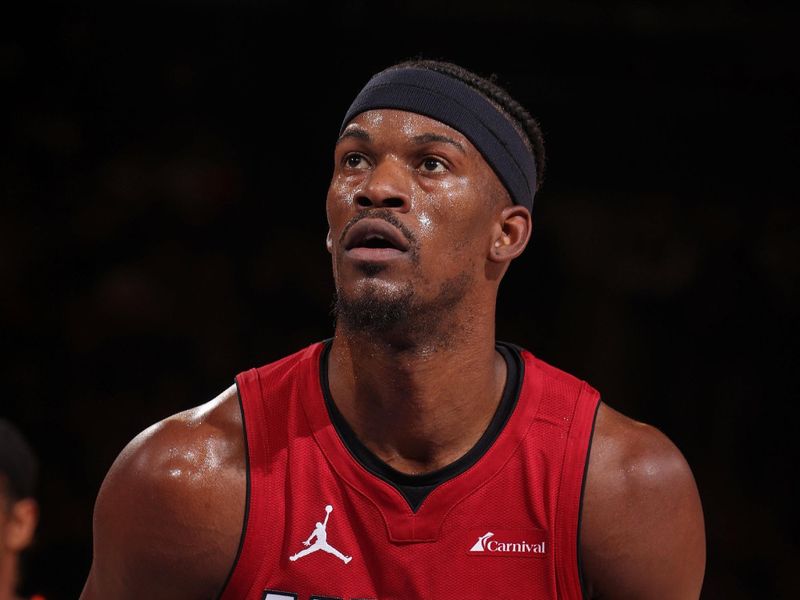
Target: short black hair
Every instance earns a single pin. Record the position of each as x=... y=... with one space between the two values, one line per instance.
x=19 y=467
x=525 y=123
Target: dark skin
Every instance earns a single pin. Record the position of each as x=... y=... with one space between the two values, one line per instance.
x=169 y=514
x=18 y=520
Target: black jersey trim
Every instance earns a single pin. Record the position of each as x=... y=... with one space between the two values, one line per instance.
x=581 y=577
x=415 y=488
x=246 y=499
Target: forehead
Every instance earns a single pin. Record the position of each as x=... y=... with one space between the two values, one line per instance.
x=404 y=124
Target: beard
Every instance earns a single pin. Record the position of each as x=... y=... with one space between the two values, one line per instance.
x=401 y=315
x=372 y=312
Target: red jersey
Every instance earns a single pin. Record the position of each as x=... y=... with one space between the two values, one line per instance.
x=322 y=524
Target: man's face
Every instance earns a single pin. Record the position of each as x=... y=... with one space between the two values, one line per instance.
x=410 y=207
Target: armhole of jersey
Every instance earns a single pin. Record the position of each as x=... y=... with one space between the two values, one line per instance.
x=246 y=499
x=581 y=578
x=570 y=496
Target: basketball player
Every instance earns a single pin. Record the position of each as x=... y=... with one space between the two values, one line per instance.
x=19 y=511
x=448 y=464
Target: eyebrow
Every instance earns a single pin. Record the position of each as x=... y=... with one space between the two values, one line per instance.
x=358 y=134
x=427 y=138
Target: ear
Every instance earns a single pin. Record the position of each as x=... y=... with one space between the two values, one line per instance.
x=21 y=524
x=512 y=234
x=329 y=241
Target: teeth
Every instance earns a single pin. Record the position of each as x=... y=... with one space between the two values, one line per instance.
x=376 y=240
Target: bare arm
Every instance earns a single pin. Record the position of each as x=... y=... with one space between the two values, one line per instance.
x=642 y=533
x=168 y=518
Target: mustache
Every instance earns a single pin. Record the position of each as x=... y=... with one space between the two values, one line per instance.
x=385 y=214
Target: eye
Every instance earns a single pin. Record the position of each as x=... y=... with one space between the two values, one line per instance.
x=355 y=161
x=433 y=165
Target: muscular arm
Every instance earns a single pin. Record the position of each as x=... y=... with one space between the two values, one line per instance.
x=169 y=514
x=642 y=532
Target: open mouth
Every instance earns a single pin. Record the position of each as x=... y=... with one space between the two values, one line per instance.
x=375 y=239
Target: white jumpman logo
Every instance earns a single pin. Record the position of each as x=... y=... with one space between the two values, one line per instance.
x=322 y=541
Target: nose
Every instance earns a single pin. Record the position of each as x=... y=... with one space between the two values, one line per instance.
x=387 y=186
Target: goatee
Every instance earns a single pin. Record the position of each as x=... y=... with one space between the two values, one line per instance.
x=371 y=313
x=401 y=317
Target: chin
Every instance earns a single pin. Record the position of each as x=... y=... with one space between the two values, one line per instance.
x=374 y=305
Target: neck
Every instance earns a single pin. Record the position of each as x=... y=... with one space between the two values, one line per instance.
x=416 y=404
x=8 y=576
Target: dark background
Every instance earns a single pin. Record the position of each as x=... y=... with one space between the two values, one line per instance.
x=162 y=227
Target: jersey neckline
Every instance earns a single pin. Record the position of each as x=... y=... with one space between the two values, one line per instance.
x=415 y=488
x=405 y=525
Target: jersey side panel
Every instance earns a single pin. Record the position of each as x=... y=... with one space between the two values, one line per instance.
x=265 y=402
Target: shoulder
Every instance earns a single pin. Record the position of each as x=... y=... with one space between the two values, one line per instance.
x=642 y=531
x=169 y=514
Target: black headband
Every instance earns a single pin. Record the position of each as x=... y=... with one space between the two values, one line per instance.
x=463 y=108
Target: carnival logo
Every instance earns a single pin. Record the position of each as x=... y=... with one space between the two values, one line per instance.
x=511 y=543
